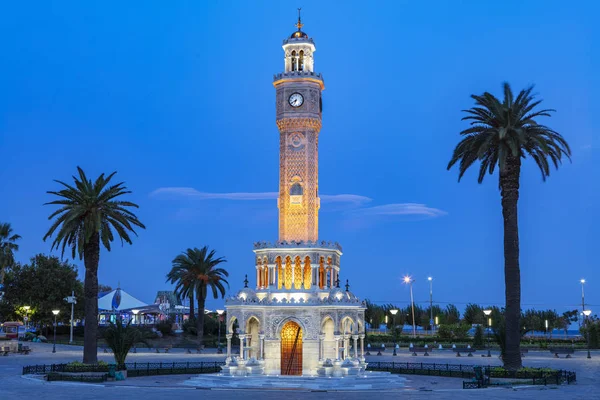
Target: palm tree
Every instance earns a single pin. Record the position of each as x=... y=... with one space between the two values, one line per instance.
x=8 y=246
x=196 y=267
x=501 y=134
x=90 y=215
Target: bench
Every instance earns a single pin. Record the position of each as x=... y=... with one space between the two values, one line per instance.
x=199 y=349
x=562 y=350
x=25 y=350
x=380 y=350
x=168 y=347
x=468 y=350
x=5 y=350
x=524 y=351
x=415 y=350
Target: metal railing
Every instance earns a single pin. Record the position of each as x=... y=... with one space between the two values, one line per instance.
x=133 y=369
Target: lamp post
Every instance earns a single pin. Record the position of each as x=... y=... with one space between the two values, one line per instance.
x=546 y=325
x=408 y=280
x=26 y=308
x=219 y=349
x=394 y=312
x=55 y=312
x=587 y=328
x=135 y=313
x=582 y=296
x=430 y=279
x=489 y=323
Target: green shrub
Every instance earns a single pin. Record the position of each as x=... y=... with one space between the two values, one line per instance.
x=165 y=328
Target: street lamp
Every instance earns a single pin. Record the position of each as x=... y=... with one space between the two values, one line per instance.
x=219 y=349
x=135 y=313
x=408 y=280
x=587 y=328
x=546 y=325
x=394 y=312
x=489 y=323
x=55 y=312
x=582 y=296
x=26 y=308
x=430 y=279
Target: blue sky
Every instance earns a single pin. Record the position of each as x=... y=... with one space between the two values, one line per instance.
x=180 y=95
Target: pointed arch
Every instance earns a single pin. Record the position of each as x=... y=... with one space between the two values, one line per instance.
x=293 y=60
x=301 y=61
x=321 y=272
x=288 y=272
x=307 y=273
x=280 y=272
x=298 y=273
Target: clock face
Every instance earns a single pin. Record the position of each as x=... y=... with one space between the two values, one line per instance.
x=296 y=100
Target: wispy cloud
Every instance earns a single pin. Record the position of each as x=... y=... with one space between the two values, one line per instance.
x=188 y=192
x=401 y=209
x=353 y=204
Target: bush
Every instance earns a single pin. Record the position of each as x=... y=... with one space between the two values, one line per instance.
x=165 y=328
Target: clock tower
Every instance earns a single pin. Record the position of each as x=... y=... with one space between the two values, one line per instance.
x=298 y=114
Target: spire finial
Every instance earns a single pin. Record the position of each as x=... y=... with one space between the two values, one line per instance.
x=246 y=281
x=299 y=24
x=337 y=282
x=347 y=286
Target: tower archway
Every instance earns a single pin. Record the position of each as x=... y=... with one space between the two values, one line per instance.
x=291 y=349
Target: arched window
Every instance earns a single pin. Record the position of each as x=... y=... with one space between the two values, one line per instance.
x=301 y=61
x=296 y=193
x=307 y=273
x=294 y=60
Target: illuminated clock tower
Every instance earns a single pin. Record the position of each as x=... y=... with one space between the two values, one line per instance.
x=296 y=319
x=299 y=106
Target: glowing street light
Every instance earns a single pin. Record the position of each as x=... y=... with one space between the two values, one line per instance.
x=394 y=312
x=219 y=349
x=409 y=281
x=55 y=312
x=487 y=313
x=587 y=328
x=26 y=308
x=430 y=279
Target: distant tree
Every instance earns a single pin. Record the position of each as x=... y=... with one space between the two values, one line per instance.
x=473 y=314
x=91 y=214
x=42 y=284
x=199 y=265
x=104 y=288
x=478 y=337
x=8 y=246
x=452 y=316
x=502 y=133
x=567 y=318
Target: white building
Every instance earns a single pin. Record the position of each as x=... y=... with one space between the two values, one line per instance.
x=297 y=320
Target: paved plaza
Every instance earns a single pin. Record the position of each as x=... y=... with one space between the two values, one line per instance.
x=15 y=386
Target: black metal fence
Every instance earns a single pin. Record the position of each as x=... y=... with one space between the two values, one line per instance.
x=133 y=369
x=537 y=376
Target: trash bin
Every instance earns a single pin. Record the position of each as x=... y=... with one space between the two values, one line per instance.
x=111 y=370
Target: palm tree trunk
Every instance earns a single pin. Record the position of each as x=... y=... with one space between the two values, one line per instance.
x=200 y=320
x=509 y=188
x=91 y=258
x=192 y=307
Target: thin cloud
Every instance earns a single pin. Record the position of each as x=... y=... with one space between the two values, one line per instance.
x=402 y=209
x=191 y=193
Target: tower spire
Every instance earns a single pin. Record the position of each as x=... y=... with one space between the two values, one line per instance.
x=299 y=25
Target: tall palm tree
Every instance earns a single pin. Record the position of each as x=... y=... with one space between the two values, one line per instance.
x=8 y=246
x=198 y=269
x=502 y=133
x=90 y=215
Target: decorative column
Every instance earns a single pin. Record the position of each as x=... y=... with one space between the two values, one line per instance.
x=355 y=337
x=257 y=277
x=261 y=354
x=242 y=338
x=346 y=345
x=229 y=336
x=321 y=347
x=337 y=347
x=362 y=346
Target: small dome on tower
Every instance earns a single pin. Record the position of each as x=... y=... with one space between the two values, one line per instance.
x=338 y=294
x=247 y=294
x=298 y=35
